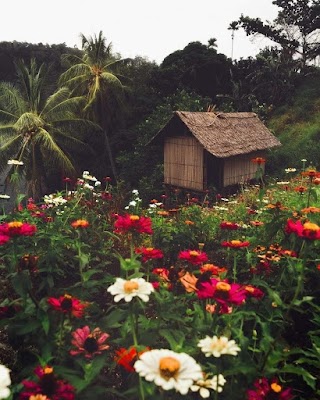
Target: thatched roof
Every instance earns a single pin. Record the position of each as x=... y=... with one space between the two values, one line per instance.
x=222 y=134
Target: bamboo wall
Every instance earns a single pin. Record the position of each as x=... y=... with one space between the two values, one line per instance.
x=239 y=169
x=183 y=162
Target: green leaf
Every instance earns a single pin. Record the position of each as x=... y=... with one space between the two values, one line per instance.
x=306 y=376
x=175 y=338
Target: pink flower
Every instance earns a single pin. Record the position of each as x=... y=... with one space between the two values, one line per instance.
x=89 y=343
x=3 y=239
x=17 y=228
x=265 y=389
x=68 y=305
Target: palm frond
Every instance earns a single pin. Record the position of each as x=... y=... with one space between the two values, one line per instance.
x=12 y=103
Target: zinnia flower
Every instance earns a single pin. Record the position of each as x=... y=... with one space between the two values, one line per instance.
x=194 y=257
x=127 y=357
x=68 y=305
x=80 y=223
x=5 y=382
x=89 y=343
x=229 y=225
x=133 y=223
x=265 y=389
x=258 y=160
x=235 y=244
x=308 y=230
x=17 y=228
x=127 y=290
x=4 y=239
x=47 y=384
x=168 y=369
x=216 y=346
x=203 y=385
x=149 y=253
x=223 y=292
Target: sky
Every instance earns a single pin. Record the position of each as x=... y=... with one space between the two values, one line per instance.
x=146 y=28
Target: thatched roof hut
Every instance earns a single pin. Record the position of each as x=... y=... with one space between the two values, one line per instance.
x=210 y=148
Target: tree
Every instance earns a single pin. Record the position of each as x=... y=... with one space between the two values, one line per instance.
x=38 y=129
x=296 y=28
x=95 y=75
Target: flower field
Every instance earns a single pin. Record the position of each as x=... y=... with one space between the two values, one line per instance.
x=187 y=297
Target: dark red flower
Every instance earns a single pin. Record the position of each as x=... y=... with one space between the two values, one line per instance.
x=133 y=223
x=68 y=305
x=195 y=257
x=48 y=385
x=265 y=390
x=149 y=253
x=229 y=225
x=258 y=160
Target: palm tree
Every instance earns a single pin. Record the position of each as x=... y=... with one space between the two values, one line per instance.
x=95 y=75
x=39 y=129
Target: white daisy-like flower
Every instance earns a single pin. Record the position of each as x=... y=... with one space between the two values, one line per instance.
x=203 y=385
x=128 y=289
x=4 y=196
x=216 y=346
x=168 y=369
x=135 y=191
x=97 y=183
x=132 y=203
x=288 y=170
x=15 y=162
x=5 y=381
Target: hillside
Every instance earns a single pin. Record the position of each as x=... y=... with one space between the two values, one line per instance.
x=297 y=125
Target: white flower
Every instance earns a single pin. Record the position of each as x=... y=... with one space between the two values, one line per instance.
x=5 y=381
x=4 y=196
x=15 y=162
x=168 y=369
x=54 y=200
x=85 y=173
x=98 y=183
x=214 y=346
x=135 y=191
x=224 y=199
x=132 y=203
x=87 y=186
x=127 y=290
x=287 y=170
x=283 y=183
x=203 y=385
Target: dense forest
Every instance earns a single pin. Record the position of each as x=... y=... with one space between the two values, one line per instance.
x=64 y=110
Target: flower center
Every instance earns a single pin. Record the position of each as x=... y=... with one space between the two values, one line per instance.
x=275 y=387
x=130 y=286
x=134 y=217
x=48 y=382
x=169 y=367
x=149 y=248
x=66 y=303
x=15 y=224
x=235 y=242
x=218 y=345
x=223 y=286
x=194 y=253
x=90 y=344
x=309 y=226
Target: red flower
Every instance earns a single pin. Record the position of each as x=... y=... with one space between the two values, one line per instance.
x=127 y=357
x=254 y=291
x=68 y=305
x=235 y=244
x=195 y=257
x=258 y=160
x=265 y=390
x=133 y=223
x=17 y=228
x=308 y=230
x=229 y=225
x=3 y=239
x=149 y=253
x=48 y=385
x=89 y=343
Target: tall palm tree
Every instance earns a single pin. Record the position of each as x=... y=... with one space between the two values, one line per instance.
x=96 y=76
x=41 y=130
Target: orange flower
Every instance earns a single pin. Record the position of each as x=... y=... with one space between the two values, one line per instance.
x=258 y=160
x=189 y=282
x=300 y=189
x=80 y=223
